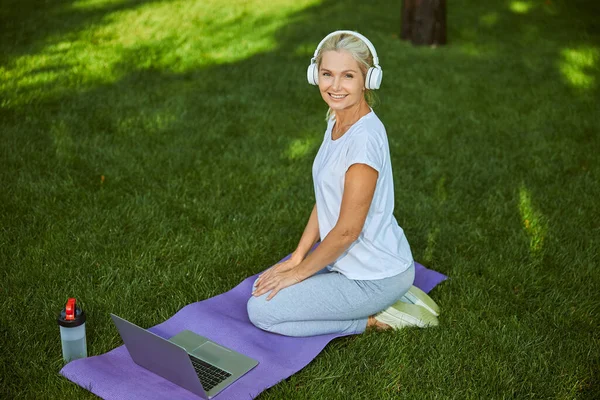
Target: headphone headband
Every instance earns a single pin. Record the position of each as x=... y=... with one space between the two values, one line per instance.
x=356 y=35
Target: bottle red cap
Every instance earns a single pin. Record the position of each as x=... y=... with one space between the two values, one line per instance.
x=72 y=315
x=70 y=309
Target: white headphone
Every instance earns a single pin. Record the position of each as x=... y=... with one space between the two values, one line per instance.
x=374 y=74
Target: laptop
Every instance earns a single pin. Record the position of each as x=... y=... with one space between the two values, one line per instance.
x=189 y=360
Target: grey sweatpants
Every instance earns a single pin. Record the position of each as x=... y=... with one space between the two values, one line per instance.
x=327 y=302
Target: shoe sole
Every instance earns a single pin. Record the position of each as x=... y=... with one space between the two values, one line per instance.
x=402 y=315
x=420 y=298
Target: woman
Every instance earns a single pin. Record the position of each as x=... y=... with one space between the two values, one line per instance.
x=363 y=264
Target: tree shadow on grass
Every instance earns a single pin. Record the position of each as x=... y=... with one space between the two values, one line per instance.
x=26 y=26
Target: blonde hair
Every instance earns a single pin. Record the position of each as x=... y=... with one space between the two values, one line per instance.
x=359 y=51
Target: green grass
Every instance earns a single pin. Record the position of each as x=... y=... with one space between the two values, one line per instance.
x=155 y=153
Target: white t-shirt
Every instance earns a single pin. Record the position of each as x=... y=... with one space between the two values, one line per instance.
x=381 y=249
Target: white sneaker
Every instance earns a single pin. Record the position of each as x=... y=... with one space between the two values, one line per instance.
x=401 y=315
x=420 y=298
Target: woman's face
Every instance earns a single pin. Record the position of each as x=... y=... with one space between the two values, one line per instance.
x=341 y=81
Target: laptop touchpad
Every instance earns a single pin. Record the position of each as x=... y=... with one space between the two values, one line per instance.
x=211 y=352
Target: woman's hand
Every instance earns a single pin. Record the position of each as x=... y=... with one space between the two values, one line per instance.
x=276 y=278
x=283 y=266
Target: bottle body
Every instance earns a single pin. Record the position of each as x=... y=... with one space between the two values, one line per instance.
x=71 y=321
x=73 y=342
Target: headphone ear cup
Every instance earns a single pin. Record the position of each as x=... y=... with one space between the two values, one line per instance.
x=311 y=74
x=373 y=79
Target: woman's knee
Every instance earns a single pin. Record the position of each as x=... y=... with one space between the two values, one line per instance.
x=258 y=313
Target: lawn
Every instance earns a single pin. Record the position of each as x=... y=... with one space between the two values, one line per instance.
x=156 y=153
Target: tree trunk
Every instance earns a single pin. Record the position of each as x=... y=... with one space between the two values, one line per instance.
x=424 y=22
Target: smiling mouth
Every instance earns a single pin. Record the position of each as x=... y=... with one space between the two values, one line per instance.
x=337 y=96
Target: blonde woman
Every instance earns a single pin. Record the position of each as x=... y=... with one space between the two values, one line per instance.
x=363 y=264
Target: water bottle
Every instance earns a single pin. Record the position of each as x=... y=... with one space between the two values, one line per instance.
x=71 y=321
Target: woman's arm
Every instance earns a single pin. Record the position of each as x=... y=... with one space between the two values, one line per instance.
x=307 y=241
x=359 y=188
x=310 y=236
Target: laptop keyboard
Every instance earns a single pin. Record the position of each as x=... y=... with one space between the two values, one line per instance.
x=210 y=376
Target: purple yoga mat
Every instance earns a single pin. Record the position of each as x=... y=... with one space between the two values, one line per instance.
x=224 y=319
